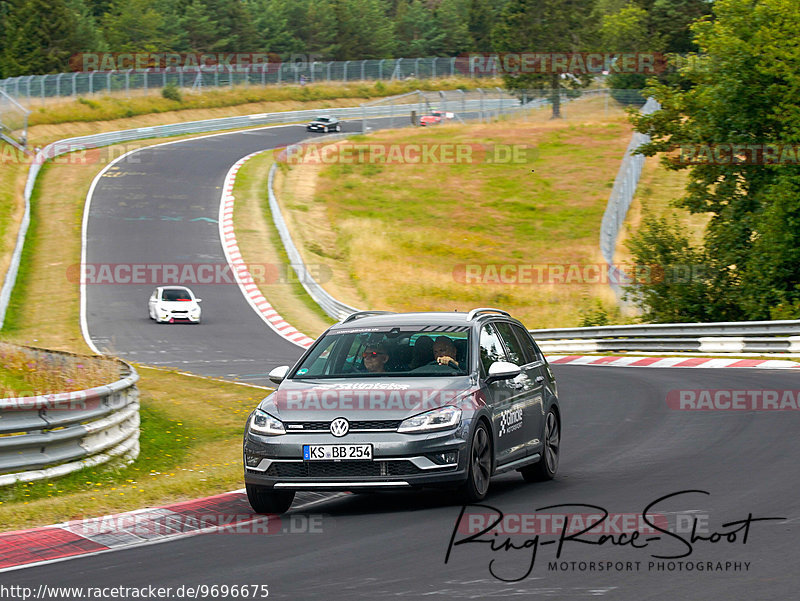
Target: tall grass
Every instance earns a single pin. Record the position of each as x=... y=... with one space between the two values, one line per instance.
x=28 y=372
x=396 y=236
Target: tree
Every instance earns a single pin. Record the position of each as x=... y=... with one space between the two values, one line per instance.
x=416 y=30
x=452 y=16
x=363 y=30
x=40 y=36
x=86 y=29
x=220 y=26
x=627 y=30
x=548 y=27
x=136 y=26
x=480 y=22
x=661 y=27
x=742 y=89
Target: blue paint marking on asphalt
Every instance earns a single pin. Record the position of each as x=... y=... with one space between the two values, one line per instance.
x=205 y=219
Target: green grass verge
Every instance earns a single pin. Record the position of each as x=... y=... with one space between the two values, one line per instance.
x=19 y=296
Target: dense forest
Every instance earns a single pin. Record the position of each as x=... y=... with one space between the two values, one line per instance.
x=39 y=36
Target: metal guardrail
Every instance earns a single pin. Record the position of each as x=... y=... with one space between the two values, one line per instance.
x=55 y=434
x=335 y=308
x=722 y=337
x=722 y=328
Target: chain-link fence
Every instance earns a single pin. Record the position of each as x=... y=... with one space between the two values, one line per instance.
x=448 y=106
x=621 y=197
x=30 y=88
x=13 y=121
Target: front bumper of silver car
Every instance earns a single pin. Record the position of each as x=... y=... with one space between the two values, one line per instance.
x=398 y=460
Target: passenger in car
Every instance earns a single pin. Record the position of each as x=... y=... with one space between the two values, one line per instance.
x=375 y=358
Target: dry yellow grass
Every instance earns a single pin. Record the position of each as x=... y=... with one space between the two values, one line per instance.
x=657 y=190
x=394 y=236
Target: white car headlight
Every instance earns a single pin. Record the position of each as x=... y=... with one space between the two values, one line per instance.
x=264 y=423
x=443 y=418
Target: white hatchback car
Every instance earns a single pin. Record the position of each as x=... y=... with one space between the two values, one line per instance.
x=173 y=303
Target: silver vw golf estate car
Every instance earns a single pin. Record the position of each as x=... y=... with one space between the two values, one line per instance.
x=396 y=400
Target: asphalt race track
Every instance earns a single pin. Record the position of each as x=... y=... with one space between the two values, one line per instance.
x=623 y=448
x=160 y=206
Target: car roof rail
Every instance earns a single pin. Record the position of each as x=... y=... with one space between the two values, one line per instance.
x=471 y=315
x=358 y=314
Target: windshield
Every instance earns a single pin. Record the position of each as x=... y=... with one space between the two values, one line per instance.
x=171 y=294
x=414 y=351
x=326 y=119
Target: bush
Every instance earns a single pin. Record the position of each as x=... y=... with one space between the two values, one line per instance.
x=595 y=315
x=171 y=92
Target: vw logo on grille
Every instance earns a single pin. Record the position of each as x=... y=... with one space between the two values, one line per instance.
x=340 y=426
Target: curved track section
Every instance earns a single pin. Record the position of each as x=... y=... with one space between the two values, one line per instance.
x=623 y=448
x=159 y=206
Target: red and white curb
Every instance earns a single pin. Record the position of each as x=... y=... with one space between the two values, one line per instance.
x=704 y=362
x=240 y=271
x=227 y=513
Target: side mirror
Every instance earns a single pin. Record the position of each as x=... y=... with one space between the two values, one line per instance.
x=502 y=370
x=199 y=300
x=278 y=374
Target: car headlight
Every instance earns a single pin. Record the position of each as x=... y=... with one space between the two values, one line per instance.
x=264 y=423
x=443 y=418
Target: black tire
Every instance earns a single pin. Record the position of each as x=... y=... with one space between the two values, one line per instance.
x=480 y=466
x=338 y=128
x=267 y=500
x=547 y=466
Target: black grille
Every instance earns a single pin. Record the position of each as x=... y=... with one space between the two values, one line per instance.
x=354 y=425
x=341 y=469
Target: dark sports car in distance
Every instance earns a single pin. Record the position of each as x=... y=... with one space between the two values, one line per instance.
x=324 y=123
x=395 y=401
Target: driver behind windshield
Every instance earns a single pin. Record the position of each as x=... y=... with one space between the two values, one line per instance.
x=444 y=352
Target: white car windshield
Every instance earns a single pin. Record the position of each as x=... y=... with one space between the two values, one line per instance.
x=171 y=294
